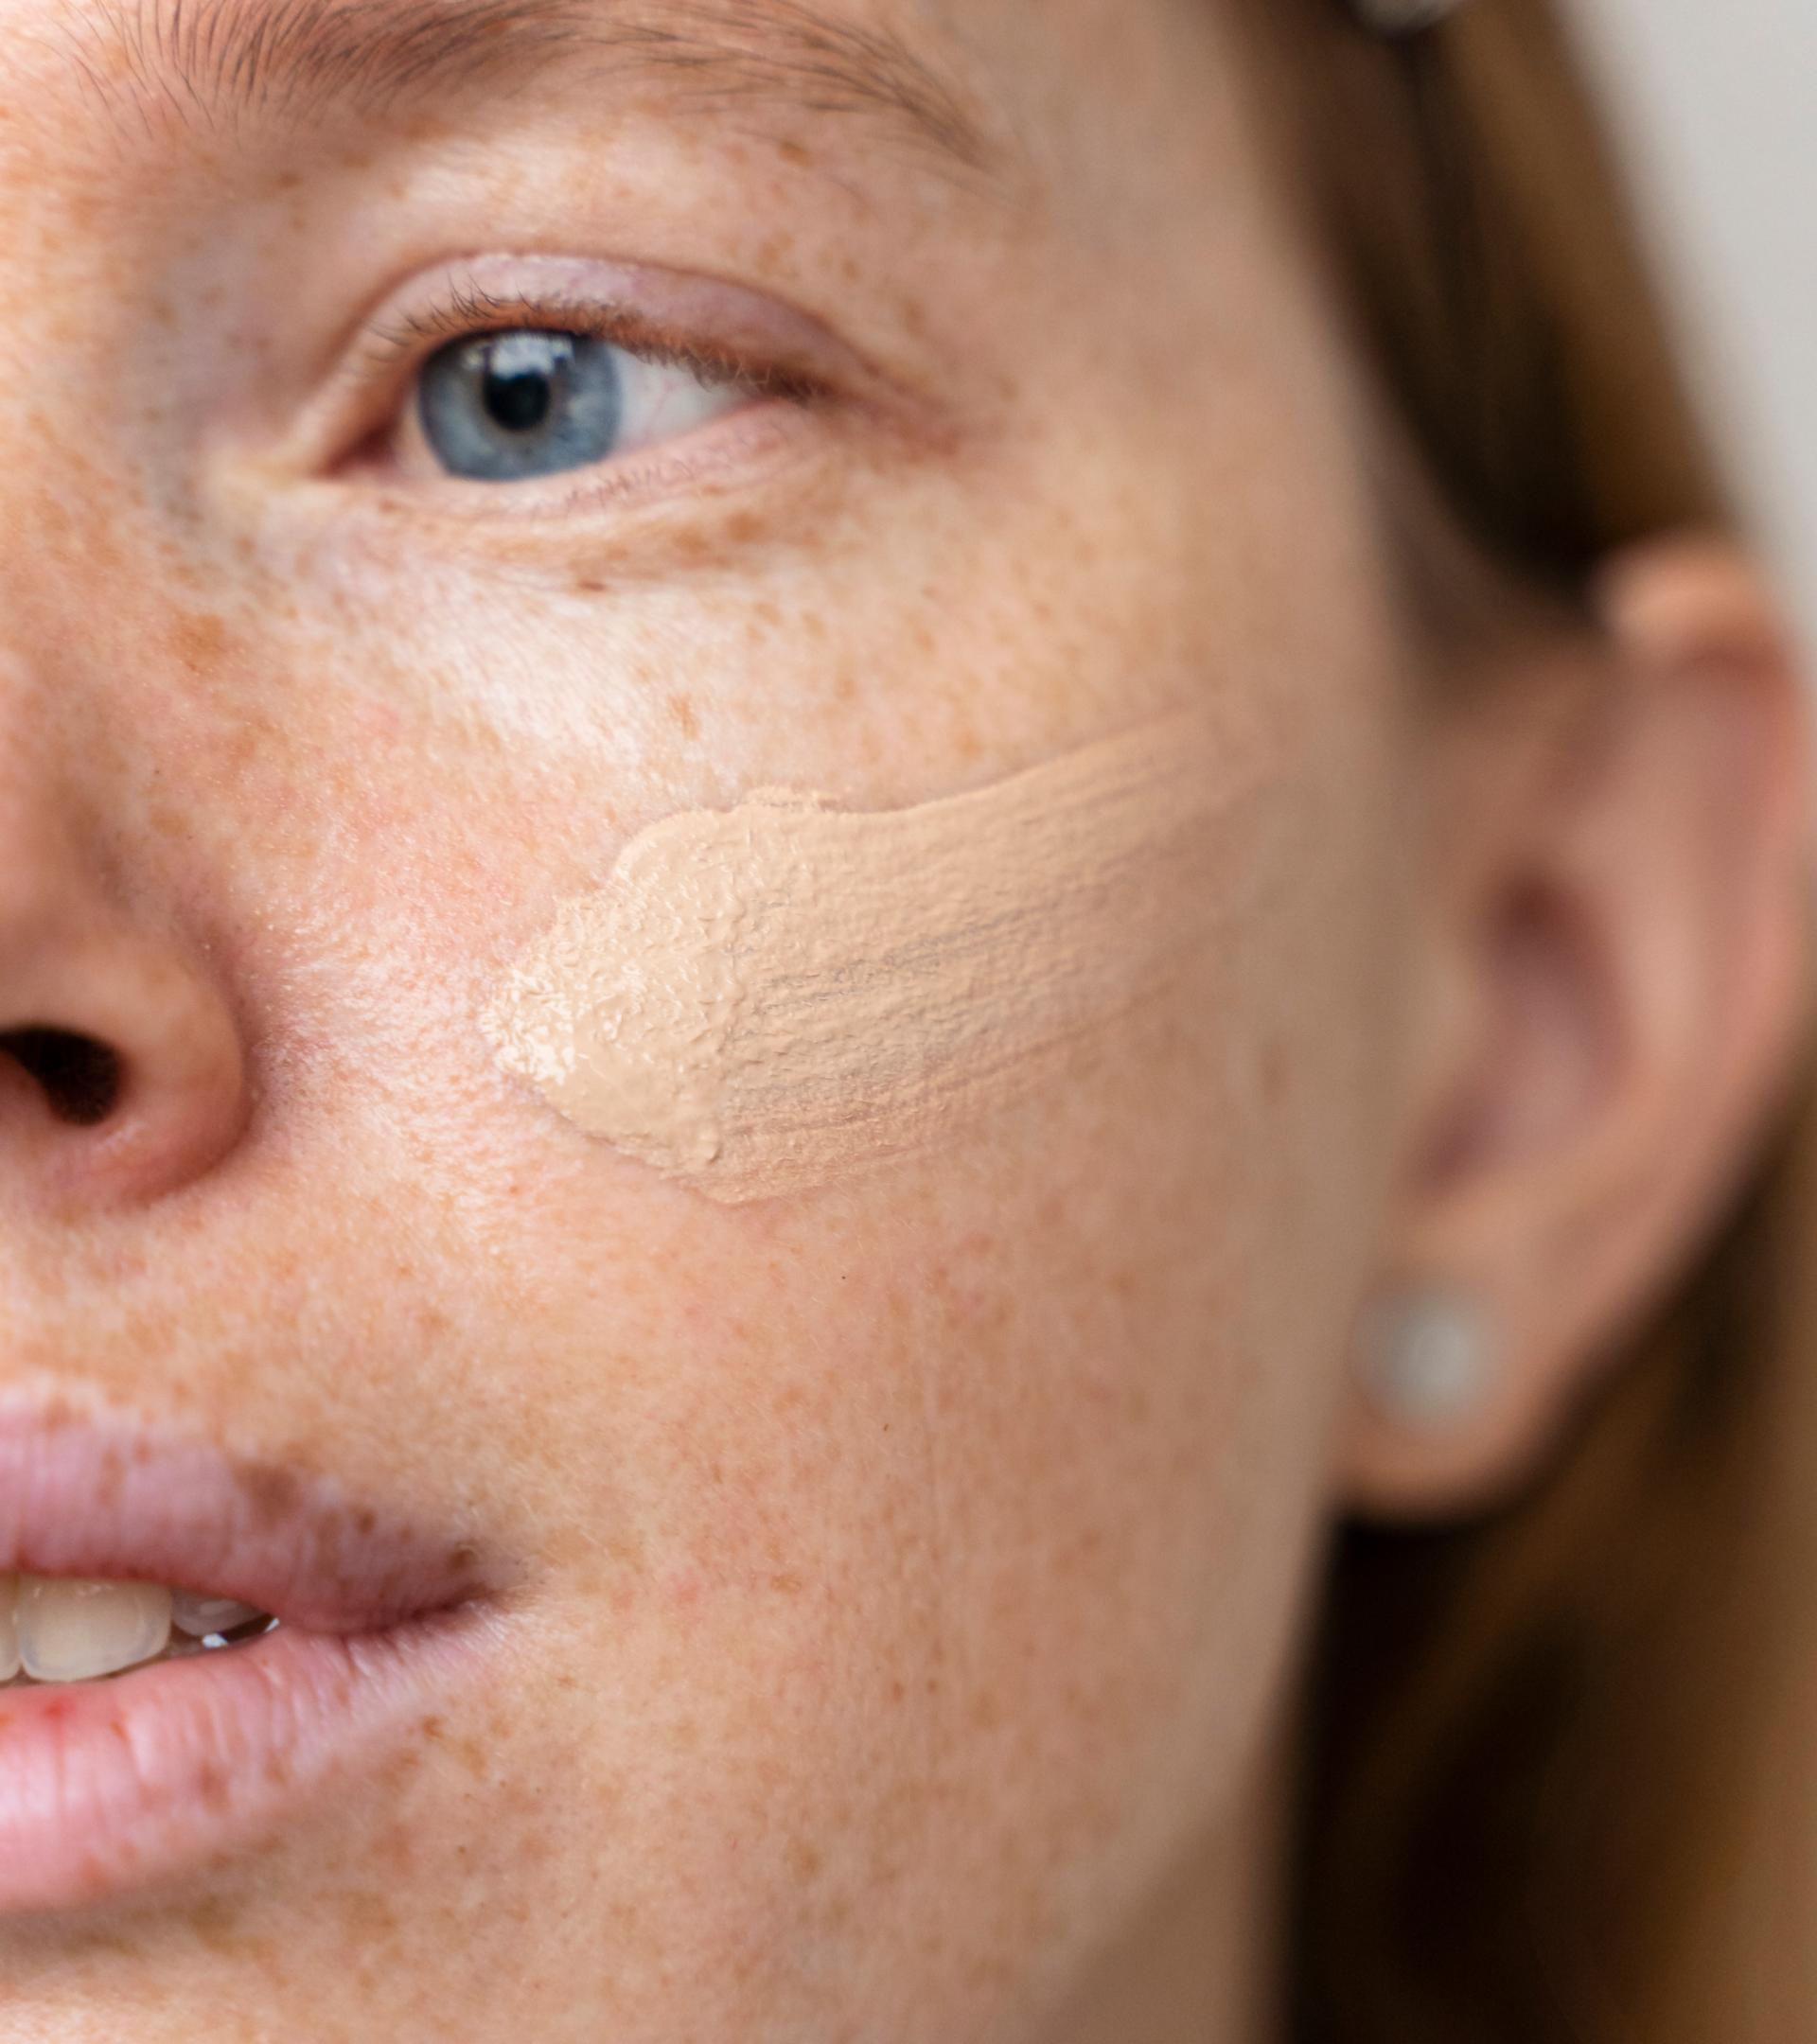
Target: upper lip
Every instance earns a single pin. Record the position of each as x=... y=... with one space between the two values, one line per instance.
x=97 y=1496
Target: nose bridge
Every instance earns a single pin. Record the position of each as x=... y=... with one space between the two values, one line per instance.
x=82 y=355
x=73 y=509
x=103 y=405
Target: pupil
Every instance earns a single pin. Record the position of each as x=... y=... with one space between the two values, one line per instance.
x=518 y=403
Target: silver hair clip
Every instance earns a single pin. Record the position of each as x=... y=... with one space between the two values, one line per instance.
x=1401 y=17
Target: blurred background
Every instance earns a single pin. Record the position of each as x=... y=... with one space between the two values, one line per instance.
x=1717 y=100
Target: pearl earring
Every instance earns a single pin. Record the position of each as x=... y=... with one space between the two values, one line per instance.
x=1425 y=1354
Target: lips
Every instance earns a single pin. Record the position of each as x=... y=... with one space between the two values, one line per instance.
x=111 y=1786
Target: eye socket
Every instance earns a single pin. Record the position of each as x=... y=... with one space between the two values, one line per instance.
x=507 y=406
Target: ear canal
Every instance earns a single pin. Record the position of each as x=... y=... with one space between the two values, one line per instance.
x=1425 y=1356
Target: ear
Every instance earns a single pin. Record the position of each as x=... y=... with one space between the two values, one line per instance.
x=1613 y=951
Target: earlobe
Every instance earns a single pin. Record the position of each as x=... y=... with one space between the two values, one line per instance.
x=1632 y=940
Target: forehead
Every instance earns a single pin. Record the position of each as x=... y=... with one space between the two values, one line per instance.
x=959 y=85
x=222 y=60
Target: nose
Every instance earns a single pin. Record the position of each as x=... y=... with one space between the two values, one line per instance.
x=122 y=1076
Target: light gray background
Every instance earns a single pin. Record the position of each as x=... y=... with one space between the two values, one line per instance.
x=1717 y=102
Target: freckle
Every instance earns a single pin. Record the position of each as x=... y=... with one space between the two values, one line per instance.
x=214 y=1922
x=681 y=710
x=370 y=1914
x=198 y=639
x=272 y=1493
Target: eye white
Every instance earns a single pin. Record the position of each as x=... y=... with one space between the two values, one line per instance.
x=663 y=401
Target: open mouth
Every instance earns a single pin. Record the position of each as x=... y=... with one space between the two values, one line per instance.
x=195 y=1648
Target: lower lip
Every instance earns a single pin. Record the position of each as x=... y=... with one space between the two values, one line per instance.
x=114 y=1785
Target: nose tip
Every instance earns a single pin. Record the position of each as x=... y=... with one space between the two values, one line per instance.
x=124 y=1073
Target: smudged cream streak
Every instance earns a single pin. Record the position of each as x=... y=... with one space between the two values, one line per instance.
x=763 y=998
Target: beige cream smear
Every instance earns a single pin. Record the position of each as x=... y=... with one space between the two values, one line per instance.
x=763 y=998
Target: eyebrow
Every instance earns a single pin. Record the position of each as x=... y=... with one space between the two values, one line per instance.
x=299 y=60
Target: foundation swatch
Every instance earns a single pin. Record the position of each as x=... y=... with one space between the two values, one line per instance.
x=763 y=998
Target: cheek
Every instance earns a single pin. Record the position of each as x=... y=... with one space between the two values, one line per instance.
x=945 y=1532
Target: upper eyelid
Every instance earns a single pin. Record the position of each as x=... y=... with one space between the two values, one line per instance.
x=662 y=304
x=387 y=344
x=406 y=340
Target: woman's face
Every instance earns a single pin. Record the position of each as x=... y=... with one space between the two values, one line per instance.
x=834 y=1615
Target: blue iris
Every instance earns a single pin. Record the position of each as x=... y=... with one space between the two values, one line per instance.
x=499 y=407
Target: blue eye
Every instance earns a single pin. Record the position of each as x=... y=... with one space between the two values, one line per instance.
x=501 y=407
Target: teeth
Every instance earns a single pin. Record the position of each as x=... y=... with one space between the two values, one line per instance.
x=75 y=1630
x=9 y=1628
x=200 y=1617
x=57 y=1629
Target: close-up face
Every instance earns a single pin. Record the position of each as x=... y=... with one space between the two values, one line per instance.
x=707 y=776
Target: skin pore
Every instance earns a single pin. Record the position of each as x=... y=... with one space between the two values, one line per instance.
x=890 y=1594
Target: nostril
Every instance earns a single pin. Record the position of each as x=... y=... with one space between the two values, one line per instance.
x=80 y=1077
